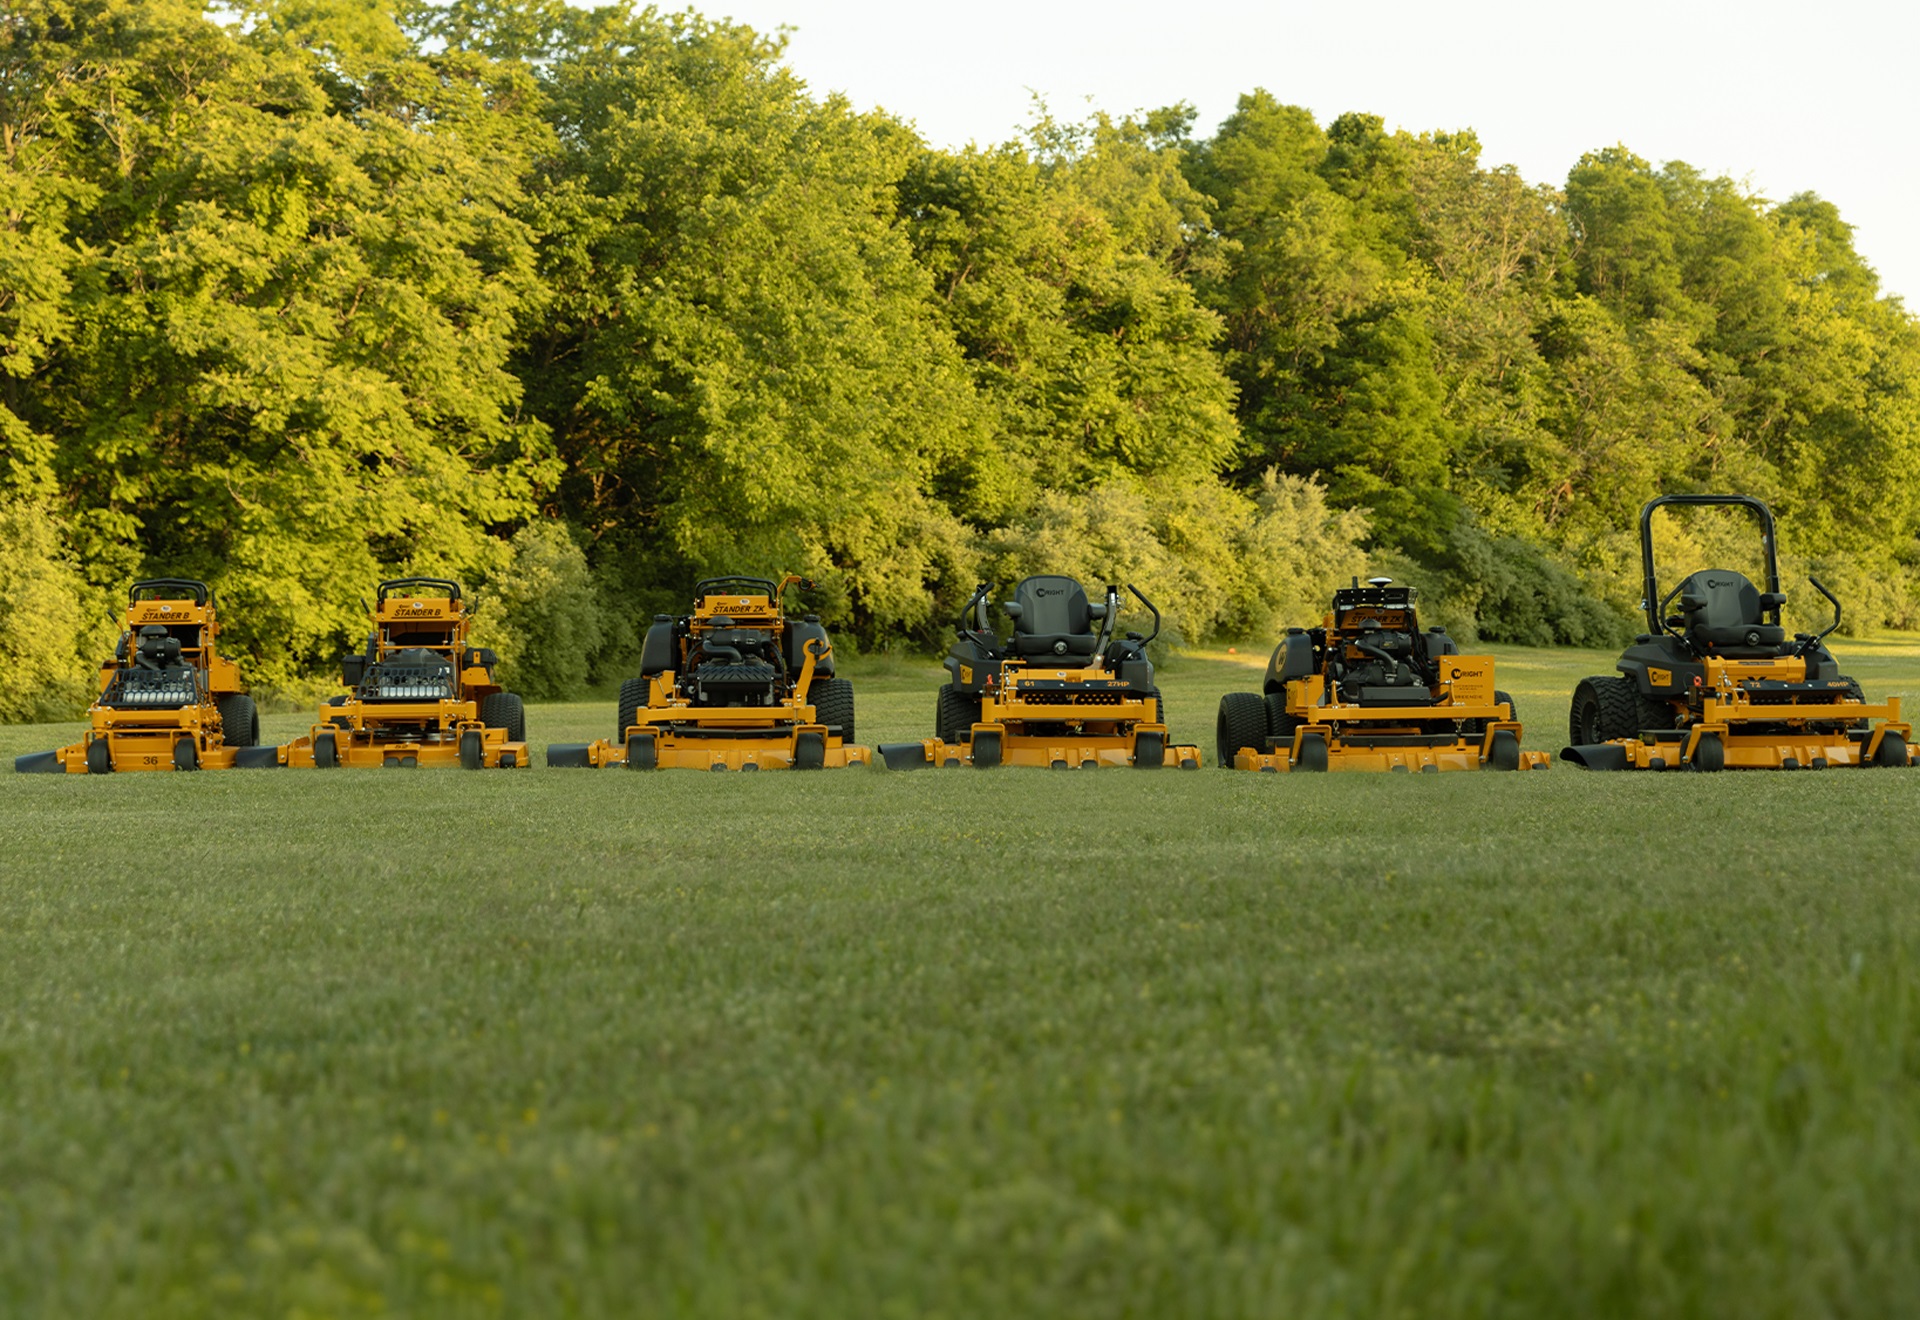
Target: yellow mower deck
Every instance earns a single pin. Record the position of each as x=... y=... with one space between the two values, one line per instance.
x=1353 y=752
x=442 y=735
x=1728 y=709
x=1128 y=731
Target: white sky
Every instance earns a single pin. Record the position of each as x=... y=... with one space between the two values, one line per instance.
x=1820 y=95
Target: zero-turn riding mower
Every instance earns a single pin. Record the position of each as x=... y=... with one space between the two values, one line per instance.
x=418 y=695
x=735 y=685
x=1367 y=690
x=168 y=699
x=1719 y=684
x=1056 y=693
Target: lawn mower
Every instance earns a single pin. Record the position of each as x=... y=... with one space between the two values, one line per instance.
x=1056 y=693
x=734 y=685
x=168 y=699
x=419 y=695
x=1368 y=690
x=1719 y=685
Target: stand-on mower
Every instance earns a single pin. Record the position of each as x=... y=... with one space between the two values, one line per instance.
x=1719 y=685
x=735 y=685
x=1367 y=690
x=418 y=695
x=168 y=699
x=1056 y=693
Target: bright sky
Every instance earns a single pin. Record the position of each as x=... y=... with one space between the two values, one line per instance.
x=1820 y=96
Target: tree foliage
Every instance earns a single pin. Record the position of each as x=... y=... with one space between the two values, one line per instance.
x=579 y=304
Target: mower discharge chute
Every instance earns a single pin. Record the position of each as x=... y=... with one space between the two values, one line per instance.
x=168 y=700
x=1056 y=693
x=418 y=695
x=735 y=685
x=1720 y=686
x=1367 y=690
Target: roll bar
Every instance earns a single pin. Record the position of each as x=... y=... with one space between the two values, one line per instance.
x=405 y=587
x=1650 y=599
x=169 y=589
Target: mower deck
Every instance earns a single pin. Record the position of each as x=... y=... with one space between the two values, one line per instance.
x=796 y=747
x=1718 y=742
x=437 y=735
x=992 y=745
x=1322 y=748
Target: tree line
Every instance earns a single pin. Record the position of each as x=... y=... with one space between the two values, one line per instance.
x=578 y=305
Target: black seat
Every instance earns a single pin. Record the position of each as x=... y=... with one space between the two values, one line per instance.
x=1055 y=620
x=1724 y=613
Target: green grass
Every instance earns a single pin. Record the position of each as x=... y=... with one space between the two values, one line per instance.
x=963 y=1044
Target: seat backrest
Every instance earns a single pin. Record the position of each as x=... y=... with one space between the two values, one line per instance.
x=1730 y=601
x=157 y=649
x=1051 y=605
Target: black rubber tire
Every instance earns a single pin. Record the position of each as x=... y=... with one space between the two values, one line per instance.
x=326 y=752
x=1513 y=707
x=505 y=710
x=239 y=720
x=633 y=695
x=954 y=715
x=1653 y=712
x=1892 y=751
x=186 y=754
x=1602 y=711
x=99 y=757
x=833 y=704
x=473 y=750
x=1505 y=752
x=1159 y=707
x=1709 y=754
x=1242 y=722
x=1314 y=756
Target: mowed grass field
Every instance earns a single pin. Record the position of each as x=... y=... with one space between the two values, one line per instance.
x=963 y=1043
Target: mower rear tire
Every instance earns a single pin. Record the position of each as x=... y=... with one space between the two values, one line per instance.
x=99 y=757
x=1513 y=707
x=1652 y=712
x=833 y=705
x=505 y=710
x=633 y=695
x=1242 y=723
x=954 y=717
x=239 y=720
x=1280 y=724
x=1892 y=750
x=1602 y=711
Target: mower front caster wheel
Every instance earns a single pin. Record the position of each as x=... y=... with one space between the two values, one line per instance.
x=186 y=756
x=99 y=757
x=1710 y=754
x=473 y=750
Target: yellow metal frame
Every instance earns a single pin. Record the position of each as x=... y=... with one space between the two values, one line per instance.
x=1093 y=740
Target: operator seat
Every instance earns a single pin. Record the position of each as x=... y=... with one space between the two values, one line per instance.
x=1054 y=620
x=1723 y=614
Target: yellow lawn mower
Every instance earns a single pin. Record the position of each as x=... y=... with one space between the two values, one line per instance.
x=168 y=699
x=1368 y=690
x=735 y=684
x=1718 y=684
